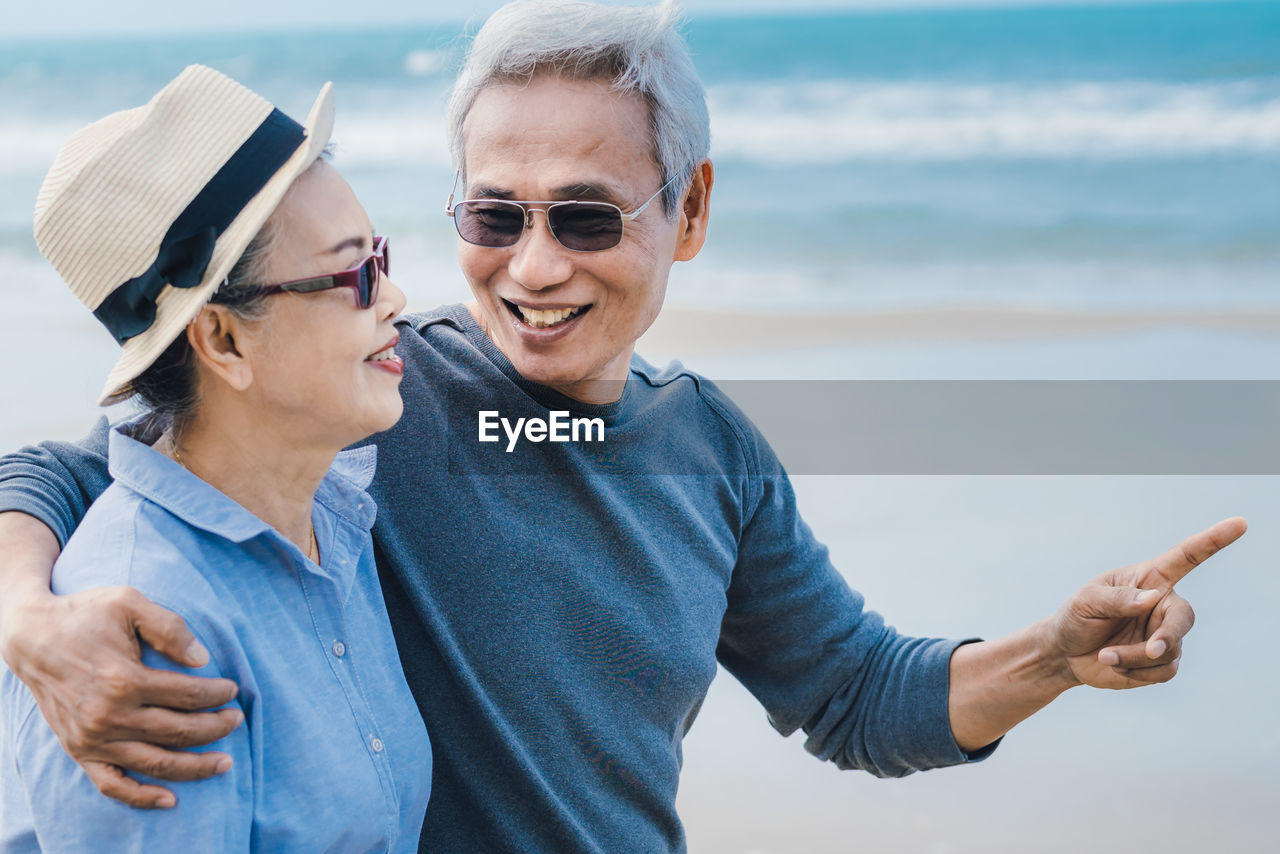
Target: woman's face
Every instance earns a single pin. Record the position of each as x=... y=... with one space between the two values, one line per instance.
x=319 y=361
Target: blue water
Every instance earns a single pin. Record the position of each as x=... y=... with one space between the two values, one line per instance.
x=1123 y=157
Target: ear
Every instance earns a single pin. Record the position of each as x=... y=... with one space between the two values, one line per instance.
x=217 y=336
x=695 y=210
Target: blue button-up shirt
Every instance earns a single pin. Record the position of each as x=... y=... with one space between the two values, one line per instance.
x=333 y=755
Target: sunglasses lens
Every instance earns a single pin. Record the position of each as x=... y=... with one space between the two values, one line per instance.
x=489 y=223
x=586 y=226
x=370 y=275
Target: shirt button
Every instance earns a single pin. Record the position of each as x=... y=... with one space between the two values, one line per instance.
x=376 y=744
x=339 y=648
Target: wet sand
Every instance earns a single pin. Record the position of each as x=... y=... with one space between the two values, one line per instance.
x=695 y=331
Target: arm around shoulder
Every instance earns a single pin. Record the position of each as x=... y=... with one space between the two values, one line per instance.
x=79 y=656
x=65 y=809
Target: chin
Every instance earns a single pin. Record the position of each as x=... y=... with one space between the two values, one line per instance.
x=384 y=417
x=550 y=371
x=393 y=414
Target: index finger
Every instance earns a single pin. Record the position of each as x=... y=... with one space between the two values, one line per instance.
x=1174 y=565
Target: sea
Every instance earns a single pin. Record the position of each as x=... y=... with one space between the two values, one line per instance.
x=1089 y=156
x=1097 y=158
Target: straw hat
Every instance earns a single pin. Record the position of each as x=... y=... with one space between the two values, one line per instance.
x=145 y=212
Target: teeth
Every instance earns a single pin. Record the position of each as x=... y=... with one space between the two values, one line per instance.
x=379 y=356
x=542 y=318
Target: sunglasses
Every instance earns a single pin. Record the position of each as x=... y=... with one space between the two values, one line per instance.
x=579 y=226
x=363 y=278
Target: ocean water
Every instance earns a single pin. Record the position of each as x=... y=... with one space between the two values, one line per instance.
x=1111 y=157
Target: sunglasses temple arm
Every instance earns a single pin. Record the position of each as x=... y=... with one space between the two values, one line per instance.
x=635 y=213
x=448 y=205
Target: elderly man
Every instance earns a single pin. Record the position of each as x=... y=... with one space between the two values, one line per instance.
x=560 y=609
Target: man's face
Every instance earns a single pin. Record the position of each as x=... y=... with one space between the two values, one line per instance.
x=556 y=140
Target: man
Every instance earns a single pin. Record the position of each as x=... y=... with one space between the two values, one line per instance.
x=560 y=609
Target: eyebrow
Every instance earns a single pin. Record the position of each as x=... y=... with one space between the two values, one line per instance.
x=357 y=242
x=581 y=191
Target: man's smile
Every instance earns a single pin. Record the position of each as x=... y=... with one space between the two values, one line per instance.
x=545 y=318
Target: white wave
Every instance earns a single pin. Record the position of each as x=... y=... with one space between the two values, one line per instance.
x=424 y=63
x=836 y=121
x=411 y=137
x=28 y=145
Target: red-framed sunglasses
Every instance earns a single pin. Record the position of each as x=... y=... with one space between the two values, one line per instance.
x=363 y=278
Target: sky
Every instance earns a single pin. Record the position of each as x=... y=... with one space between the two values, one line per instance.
x=87 y=17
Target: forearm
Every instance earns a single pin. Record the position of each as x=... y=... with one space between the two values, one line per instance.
x=29 y=549
x=997 y=684
x=56 y=481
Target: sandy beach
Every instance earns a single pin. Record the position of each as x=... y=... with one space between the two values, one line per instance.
x=1185 y=767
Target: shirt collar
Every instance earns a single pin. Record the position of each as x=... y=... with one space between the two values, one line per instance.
x=163 y=482
x=343 y=488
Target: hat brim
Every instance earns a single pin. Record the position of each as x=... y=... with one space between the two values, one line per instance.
x=177 y=307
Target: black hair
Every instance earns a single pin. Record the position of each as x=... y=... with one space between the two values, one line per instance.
x=167 y=388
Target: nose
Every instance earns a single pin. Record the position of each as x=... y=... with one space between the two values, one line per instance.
x=391 y=299
x=538 y=260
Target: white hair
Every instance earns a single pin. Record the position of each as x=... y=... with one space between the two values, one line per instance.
x=635 y=49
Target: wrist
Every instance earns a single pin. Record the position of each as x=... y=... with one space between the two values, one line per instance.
x=20 y=608
x=1049 y=661
x=23 y=592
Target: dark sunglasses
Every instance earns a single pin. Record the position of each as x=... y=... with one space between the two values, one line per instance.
x=363 y=278
x=580 y=226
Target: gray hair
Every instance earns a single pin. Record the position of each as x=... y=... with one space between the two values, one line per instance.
x=636 y=49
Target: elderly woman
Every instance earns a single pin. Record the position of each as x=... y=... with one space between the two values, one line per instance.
x=251 y=297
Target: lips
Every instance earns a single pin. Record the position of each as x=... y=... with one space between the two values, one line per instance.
x=386 y=358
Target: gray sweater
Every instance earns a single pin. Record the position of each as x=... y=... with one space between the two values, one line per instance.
x=560 y=608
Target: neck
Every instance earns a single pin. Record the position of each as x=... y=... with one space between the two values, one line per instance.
x=254 y=462
x=597 y=391
x=605 y=387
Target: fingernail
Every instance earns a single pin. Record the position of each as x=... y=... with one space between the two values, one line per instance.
x=197 y=655
x=1108 y=657
x=1156 y=648
x=224 y=765
x=165 y=802
x=1147 y=595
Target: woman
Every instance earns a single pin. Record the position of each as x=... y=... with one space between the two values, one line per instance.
x=243 y=279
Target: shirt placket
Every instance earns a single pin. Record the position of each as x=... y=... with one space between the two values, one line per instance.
x=342 y=651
